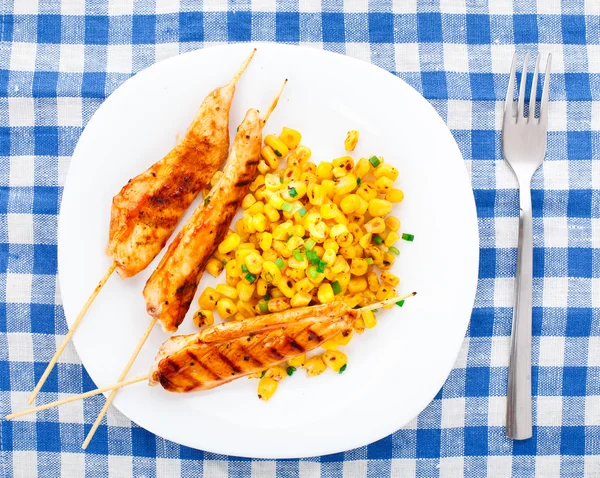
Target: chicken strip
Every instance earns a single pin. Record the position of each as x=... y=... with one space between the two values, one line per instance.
x=146 y=211
x=228 y=351
x=171 y=287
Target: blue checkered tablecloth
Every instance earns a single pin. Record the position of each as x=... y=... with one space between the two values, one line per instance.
x=59 y=61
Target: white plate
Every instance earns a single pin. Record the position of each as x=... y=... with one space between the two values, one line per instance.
x=395 y=369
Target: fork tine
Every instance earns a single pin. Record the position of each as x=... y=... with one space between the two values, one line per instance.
x=533 y=94
x=521 y=103
x=508 y=104
x=546 y=91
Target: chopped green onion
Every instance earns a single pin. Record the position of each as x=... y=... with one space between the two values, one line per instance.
x=309 y=244
x=224 y=263
x=408 y=237
x=400 y=303
x=374 y=160
x=312 y=273
x=280 y=180
x=237 y=130
x=293 y=193
x=290 y=236
x=337 y=288
x=290 y=370
x=287 y=207
x=302 y=211
x=312 y=256
x=250 y=277
x=321 y=266
x=207 y=200
x=377 y=239
x=394 y=250
x=278 y=153
x=369 y=260
x=267 y=297
x=343 y=368
x=279 y=262
x=358 y=181
x=298 y=255
x=263 y=308
x=269 y=277
x=263 y=373
x=244 y=268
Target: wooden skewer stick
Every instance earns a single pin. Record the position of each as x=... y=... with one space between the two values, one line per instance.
x=274 y=103
x=124 y=373
x=247 y=61
x=377 y=305
x=67 y=338
x=81 y=396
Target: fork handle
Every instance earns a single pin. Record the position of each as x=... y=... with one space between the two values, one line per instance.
x=519 y=413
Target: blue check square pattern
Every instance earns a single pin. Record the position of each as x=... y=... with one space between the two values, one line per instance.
x=60 y=60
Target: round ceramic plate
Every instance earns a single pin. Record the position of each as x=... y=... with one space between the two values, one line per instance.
x=395 y=369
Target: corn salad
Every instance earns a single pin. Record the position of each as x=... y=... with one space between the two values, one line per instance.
x=310 y=234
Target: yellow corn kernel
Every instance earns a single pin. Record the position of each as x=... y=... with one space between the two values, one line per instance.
x=325 y=294
x=329 y=345
x=329 y=187
x=226 y=308
x=359 y=267
x=303 y=153
x=227 y=291
x=258 y=182
x=232 y=269
x=276 y=201
x=379 y=207
x=232 y=281
x=254 y=262
x=324 y=171
x=345 y=239
x=278 y=146
x=320 y=250
x=273 y=182
x=343 y=280
x=276 y=373
x=294 y=242
x=358 y=249
x=244 y=290
x=328 y=210
x=390 y=278
x=359 y=325
x=256 y=208
x=300 y=299
x=282 y=231
x=344 y=162
x=271 y=212
x=366 y=191
x=208 y=299
x=263 y=167
x=276 y=293
x=270 y=273
x=369 y=319
x=314 y=276
x=384 y=185
x=344 y=337
x=294 y=263
x=345 y=185
x=245 y=246
x=365 y=240
x=297 y=361
x=293 y=161
x=304 y=285
x=270 y=158
x=392 y=223
x=356 y=231
x=314 y=366
x=240 y=227
x=383 y=292
x=281 y=249
x=340 y=265
x=229 y=243
x=335 y=359
x=352 y=300
x=295 y=274
x=351 y=140
x=339 y=172
x=270 y=255
x=290 y=137
x=357 y=284
x=394 y=195
x=392 y=237
x=318 y=232
x=375 y=253
x=338 y=230
x=266 y=240
x=329 y=256
x=361 y=209
x=386 y=170
x=287 y=287
x=297 y=189
x=214 y=267
x=261 y=286
x=362 y=167
x=350 y=203
x=262 y=193
x=203 y=318
x=248 y=201
x=375 y=225
x=309 y=168
x=278 y=304
x=259 y=222
x=316 y=194
x=348 y=252
x=373 y=281
x=387 y=261
x=266 y=388
x=331 y=244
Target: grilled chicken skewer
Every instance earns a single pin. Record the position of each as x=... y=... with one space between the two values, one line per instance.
x=146 y=211
x=171 y=287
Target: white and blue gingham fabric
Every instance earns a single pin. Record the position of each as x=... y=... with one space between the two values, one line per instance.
x=59 y=61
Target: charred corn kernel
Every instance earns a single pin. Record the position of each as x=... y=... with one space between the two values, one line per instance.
x=383 y=292
x=340 y=265
x=276 y=201
x=357 y=284
x=270 y=255
x=293 y=161
x=290 y=137
x=390 y=278
x=305 y=286
x=283 y=250
x=387 y=261
x=376 y=254
x=232 y=281
x=369 y=319
x=287 y=287
x=344 y=337
x=335 y=359
x=266 y=388
x=360 y=252
x=261 y=285
x=345 y=239
x=359 y=267
x=351 y=140
x=303 y=153
x=227 y=291
x=270 y=273
x=229 y=243
x=344 y=162
x=214 y=267
x=300 y=299
x=295 y=274
x=292 y=173
x=324 y=171
x=338 y=230
x=282 y=231
x=208 y=299
x=329 y=211
x=356 y=231
x=232 y=269
x=329 y=187
x=296 y=190
x=316 y=194
x=203 y=318
x=359 y=325
x=271 y=212
x=350 y=203
x=365 y=240
x=379 y=207
x=345 y=185
x=329 y=256
x=362 y=167
x=392 y=237
x=266 y=240
x=325 y=293
x=258 y=182
x=362 y=209
x=348 y=252
x=245 y=309
x=392 y=223
x=375 y=225
x=373 y=282
x=394 y=195
x=386 y=170
x=226 y=308
x=244 y=291
x=278 y=146
x=263 y=194
x=270 y=158
x=318 y=232
x=314 y=366
x=278 y=304
x=254 y=262
x=297 y=361
x=352 y=300
x=309 y=167
x=329 y=345
x=366 y=191
x=294 y=242
x=384 y=185
x=248 y=201
x=339 y=172
x=276 y=373
x=331 y=244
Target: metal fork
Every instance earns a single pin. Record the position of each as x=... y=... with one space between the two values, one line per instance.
x=524 y=148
